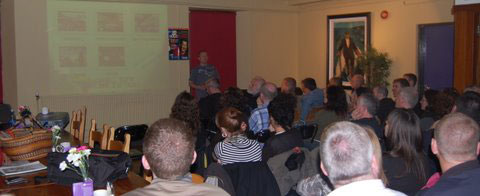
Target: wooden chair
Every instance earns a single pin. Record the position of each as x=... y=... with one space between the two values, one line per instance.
x=147 y=175
x=118 y=145
x=97 y=136
x=77 y=124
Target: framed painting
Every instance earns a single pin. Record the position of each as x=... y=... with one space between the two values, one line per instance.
x=348 y=37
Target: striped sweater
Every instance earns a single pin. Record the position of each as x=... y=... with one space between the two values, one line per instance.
x=238 y=149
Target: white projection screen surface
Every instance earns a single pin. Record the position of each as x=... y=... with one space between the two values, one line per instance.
x=102 y=48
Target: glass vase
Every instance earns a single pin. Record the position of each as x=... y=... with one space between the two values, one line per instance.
x=84 y=188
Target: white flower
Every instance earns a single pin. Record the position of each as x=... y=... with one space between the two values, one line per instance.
x=56 y=127
x=57 y=137
x=86 y=152
x=72 y=150
x=76 y=163
x=63 y=165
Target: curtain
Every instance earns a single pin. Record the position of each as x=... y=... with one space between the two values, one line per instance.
x=215 y=32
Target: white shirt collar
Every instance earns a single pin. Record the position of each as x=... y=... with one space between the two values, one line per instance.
x=365 y=187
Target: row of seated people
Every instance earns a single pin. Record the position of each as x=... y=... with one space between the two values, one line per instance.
x=221 y=123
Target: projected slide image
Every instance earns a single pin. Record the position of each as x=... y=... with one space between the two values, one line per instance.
x=147 y=23
x=72 y=56
x=102 y=48
x=110 y=22
x=111 y=56
x=72 y=21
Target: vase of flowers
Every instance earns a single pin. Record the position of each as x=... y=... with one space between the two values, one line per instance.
x=77 y=160
x=56 y=130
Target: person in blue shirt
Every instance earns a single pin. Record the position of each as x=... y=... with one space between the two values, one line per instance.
x=259 y=119
x=201 y=74
x=312 y=97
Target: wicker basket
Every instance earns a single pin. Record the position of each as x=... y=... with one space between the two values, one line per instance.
x=31 y=146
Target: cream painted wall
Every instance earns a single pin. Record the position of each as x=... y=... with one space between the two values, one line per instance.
x=396 y=35
x=25 y=51
x=268 y=48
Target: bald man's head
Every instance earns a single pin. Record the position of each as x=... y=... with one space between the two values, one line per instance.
x=456 y=137
x=269 y=91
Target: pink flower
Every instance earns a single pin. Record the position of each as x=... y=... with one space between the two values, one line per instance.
x=82 y=148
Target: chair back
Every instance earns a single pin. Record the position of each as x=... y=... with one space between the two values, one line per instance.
x=77 y=125
x=137 y=132
x=100 y=137
x=118 y=145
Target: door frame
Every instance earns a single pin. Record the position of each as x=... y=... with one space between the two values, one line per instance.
x=421 y=52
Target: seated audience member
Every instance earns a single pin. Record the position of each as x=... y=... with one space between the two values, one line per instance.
x=236 y=147
x=282 y=111
x=411 y=78
x=456 y=146
x=364 y=114
x=426 y=104
x=253 y=91
x=436 y=104
x=385 y=104
x=210 y=105
x=317 y=186
x=357 y=82
x=356 y=94
x=335 y=81
x=398 y=84
x=234 y=97
x=348 y=159
x=407 y=98
x=186 y=109
x=312 y=97
x=259 y=120
x=335 y=109
x=405 y=165
x=469 y=104
x=168 y=150
x=288 y=86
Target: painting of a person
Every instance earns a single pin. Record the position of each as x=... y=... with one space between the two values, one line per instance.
x=348 y=49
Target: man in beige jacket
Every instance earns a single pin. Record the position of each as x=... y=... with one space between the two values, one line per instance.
x=168 y=149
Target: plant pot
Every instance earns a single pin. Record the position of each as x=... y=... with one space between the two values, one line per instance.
x=83 y=188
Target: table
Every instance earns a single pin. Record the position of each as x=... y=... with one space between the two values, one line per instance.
x=121 y=186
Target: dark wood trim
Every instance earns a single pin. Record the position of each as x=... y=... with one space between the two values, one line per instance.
x=471 y=7
x=465 y=30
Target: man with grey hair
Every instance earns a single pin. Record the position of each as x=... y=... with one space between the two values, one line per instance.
x=252 y=92
x=364 y=115
x=210 y=105
x=348 y=160
x=385 y=105
x=407 y=98
x=260 y=119
x=456 y=144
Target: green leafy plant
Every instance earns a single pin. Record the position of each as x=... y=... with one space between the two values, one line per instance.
x=376 y=67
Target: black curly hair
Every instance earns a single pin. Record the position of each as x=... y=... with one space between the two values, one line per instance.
x=282 y=109
x=186 y=109
x=234 y=97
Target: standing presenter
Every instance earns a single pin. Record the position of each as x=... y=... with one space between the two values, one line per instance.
x=201 y=74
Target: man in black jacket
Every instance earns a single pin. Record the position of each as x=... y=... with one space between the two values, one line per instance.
x=364 y=115
x=385 y=104
x=456 y=144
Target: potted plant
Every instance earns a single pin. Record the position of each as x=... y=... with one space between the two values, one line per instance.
x=376 y=67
